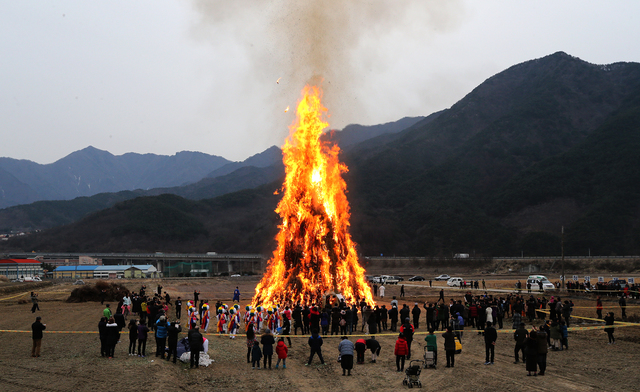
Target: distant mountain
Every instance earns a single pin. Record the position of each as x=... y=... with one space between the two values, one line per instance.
x=268 y=157
x=432 y=190
x=91 y=171
x=151 y=172
x=547 y=143
x=14 y=191
x=47 y=214
x=354 y=133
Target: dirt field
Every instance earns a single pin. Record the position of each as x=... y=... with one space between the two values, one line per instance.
x=72 y=362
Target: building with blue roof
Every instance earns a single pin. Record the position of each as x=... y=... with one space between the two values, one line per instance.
x=74 y=271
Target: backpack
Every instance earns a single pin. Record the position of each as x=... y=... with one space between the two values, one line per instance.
x=343 y=322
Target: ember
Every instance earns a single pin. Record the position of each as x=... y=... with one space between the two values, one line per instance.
x=315 y=255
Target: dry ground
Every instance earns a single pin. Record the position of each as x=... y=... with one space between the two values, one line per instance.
x=71 y=362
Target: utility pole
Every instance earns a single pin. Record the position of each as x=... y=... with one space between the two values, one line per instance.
x=562 y=244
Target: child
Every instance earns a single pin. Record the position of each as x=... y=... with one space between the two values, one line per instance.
x=256 y=355
x=281 y=350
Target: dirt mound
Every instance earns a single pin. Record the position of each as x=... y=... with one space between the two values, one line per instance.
x=4 y=279
x=113 y=292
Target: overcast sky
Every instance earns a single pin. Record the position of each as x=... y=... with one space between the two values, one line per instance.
x=163 y=76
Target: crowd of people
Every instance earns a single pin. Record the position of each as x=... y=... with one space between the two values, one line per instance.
x=267 y=328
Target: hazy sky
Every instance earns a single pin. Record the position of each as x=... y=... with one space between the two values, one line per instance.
x=162 y=76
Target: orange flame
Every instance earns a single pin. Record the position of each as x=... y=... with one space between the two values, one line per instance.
x=315 y=255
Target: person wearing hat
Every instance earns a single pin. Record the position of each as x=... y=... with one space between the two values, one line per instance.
x=37 y=327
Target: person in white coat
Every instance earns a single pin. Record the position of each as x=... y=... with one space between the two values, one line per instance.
x=489 y=312
x=381 y=291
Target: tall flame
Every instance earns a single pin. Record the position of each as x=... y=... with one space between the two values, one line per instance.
x=315 y=254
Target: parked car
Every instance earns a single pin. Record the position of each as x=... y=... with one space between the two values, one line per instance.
x=388 y=279
x=454 y=282
x=398 y=278
x=417 y=279
x=235 y=276
x=535 y=282
x=443 y=277
x=79 y=282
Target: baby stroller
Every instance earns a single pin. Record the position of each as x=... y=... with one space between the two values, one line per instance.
x=413 y=373
x=430 y=358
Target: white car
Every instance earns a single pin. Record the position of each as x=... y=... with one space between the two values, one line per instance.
x=455 y=282
x=535 y=281
x=443 y=277
x=235 y=275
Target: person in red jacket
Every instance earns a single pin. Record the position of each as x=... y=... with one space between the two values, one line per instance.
x=400 y=352
x=281 y=351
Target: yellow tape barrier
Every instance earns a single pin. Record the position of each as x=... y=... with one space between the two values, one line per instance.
x=618 y=324
x=14 y=296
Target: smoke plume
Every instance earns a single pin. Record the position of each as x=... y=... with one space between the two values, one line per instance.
x=336 y=41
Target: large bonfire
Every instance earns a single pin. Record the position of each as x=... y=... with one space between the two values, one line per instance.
x=315 y=256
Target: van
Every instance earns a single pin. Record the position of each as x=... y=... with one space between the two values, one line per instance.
x=455 y=282
x=535 y=282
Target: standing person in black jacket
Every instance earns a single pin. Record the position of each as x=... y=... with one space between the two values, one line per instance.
x=609 y=320
x=393 y=317
x=384 y=316
x=450 y=346
x=195 y=344
x=173 y=330
x=36 y=334
x=490 y=337
x=305 y=319
x=520 y=336
x=296 y=315
x=354 y=316
x=133 y=336
x=196 y=296
x=407 y=330
x=178 y=308
x=102 y=330
x=315 y=343
x=113 y=335
x=416 y=315
x=404 y=313
x=267 y=340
